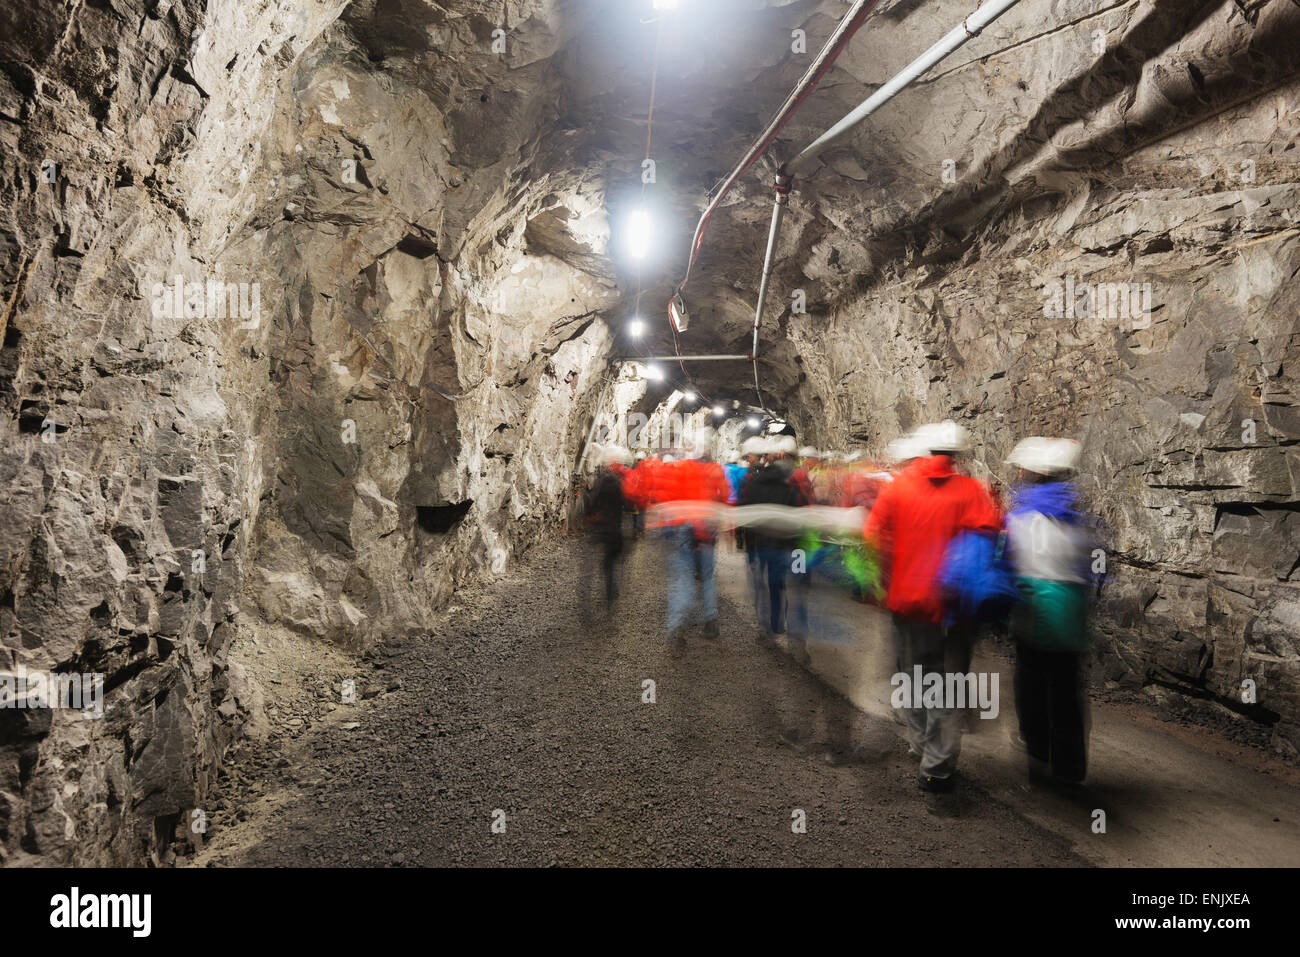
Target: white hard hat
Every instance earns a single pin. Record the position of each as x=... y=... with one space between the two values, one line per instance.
x=905 y=449
x=668 y=458
x=785 y=445
x=807 y=452
x=640 y=456
x=945 y=436
x=1044 y=455
x=614 y=455
x=752 y=446
x=733 y=456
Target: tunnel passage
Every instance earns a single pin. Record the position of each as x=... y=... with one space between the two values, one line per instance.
x=432 y=220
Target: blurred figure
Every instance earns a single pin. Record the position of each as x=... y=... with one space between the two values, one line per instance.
x=774 y=484
x=737 y=473
x=802 y=474
x=604 y=515
x=691 y=542
x=752 y=451
x=1050 y=549
x=914 y=519
x=634 y=490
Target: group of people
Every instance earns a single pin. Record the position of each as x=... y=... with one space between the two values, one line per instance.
x=940 y=551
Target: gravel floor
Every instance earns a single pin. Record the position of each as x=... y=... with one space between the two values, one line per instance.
x=530 y=702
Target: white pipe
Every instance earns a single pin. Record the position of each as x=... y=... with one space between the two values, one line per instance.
x=778 y=211
x=595 y=420
x=968 y=29
x=849 y=24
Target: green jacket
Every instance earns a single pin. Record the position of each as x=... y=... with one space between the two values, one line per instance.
x=1053 y=615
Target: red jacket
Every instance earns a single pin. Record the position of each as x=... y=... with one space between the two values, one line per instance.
x=690 y=480
x=914 y=519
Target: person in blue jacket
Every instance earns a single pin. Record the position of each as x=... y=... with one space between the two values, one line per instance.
x=1049 y=542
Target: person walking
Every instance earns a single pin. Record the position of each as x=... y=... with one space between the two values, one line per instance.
x=913 y=520
x=774 y=484
x=1050 y=547
x=605 y=507
x=691 y=540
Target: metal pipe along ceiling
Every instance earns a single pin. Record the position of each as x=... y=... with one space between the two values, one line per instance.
x=848 y=25
x=968 y=29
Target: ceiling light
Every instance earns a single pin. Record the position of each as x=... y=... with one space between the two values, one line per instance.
x=636 y=327
x=639 y=230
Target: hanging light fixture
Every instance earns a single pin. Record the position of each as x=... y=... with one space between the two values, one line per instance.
x=677 y=312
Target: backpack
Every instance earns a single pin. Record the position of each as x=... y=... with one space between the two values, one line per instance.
x=976 y=579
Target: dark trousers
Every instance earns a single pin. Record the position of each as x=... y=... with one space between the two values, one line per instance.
x=1052 y=708
x=775 y=563
x=613 y=551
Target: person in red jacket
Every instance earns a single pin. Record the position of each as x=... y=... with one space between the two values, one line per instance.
x=634 y=488
x=914 y=519
x=691 y=542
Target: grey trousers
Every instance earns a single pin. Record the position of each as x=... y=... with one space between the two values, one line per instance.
x=934 y=733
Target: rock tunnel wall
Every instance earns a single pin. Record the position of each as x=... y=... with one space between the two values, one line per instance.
x=370 y=398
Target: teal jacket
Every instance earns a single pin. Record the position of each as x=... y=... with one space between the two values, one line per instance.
x=1049 y=548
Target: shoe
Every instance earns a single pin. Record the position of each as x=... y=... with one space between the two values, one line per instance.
x=711 y=628
x=928 y=782
x=677 y=642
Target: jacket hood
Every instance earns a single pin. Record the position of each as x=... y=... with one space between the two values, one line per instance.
x=936 y=468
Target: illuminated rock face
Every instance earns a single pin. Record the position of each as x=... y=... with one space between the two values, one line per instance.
x=410 y=239
x=185 y=467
